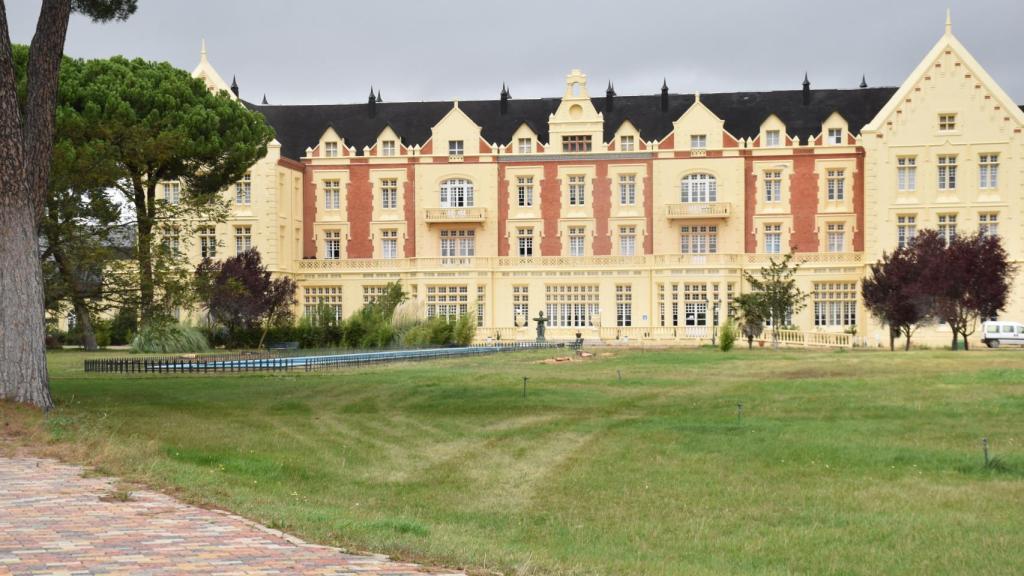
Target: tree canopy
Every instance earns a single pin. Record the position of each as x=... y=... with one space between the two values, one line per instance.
x=146 y=123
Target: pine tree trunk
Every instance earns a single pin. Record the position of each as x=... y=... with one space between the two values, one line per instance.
x=77 y=300
x=967 y=346
x=23 y=375
x=145 y=255
x=892 y=340
x=26 y=138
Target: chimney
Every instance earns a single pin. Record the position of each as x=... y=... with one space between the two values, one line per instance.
x=371 y=104
x=807 y=90
x=609 y=97
x=504 y=99
x=863 y=81
x=234 y=86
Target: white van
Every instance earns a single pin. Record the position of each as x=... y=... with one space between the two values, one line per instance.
x=993 y=334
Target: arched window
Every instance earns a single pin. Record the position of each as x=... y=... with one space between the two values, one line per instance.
x=456 y=193
x=699 y=188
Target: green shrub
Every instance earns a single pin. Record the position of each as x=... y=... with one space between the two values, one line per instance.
x=169 y=339
x=465 y=330
x=123 y=327
x=727 y=336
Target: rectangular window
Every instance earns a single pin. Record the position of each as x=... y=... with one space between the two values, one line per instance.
x=988 y=223
x=525 y=145
x=388 y=193
x=947 y=227
x=906 y=173
x=389 y=244
x=771 y=138
x=387 y=148
x=332 y=245
x=836 y=237
x=623 y=305
x=695 y=304
x=835 y=135
x=835 y=303
x=773 y=186
x=243 y=239
x=315 y=297
x=836 y=180
x=906 y=230
x=627 y=189
x=171 y=240
x=577 y=190
x=702 y=239
x=524 y=189
x=577 y=237
x=455 y=148
x=372 y=292
x=576 y=143
x=773 y=238
x=243 y=190
x=988 y=171
x=521 y=305
x=627 y=143
x=947 y=172
x=448 y=302
x=208 y=242
x=571 y=305
x=627 y=241
x=172 y=192
x=698 y=141
x=947 y=122
x=330 y=149
x=525 y=242
x=481 y=301
x=332 y=194
x=458 y=243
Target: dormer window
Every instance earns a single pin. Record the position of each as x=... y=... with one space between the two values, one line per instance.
x=698 y=141
x=525 y=145
x=387 y=148
x=626 y=143
x=835 y=135
x=330 y=149
x=947 y=122
x=456 y=148
x=771 y=138
x=576 y=143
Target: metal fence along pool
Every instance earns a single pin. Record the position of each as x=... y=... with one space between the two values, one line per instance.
x=268 y=361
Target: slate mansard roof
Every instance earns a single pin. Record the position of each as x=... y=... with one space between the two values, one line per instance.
x=300 y=126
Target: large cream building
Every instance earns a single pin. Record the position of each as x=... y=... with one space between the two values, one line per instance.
x=626 y=216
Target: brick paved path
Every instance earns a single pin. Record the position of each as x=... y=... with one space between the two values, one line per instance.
x=52 y=521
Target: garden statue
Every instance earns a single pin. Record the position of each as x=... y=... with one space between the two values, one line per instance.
x=541 y=320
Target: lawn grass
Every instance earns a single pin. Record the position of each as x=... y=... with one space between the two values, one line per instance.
x=843 y=462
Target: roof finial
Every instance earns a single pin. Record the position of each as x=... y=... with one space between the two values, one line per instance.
x=863 y=81
x=202 y=48
x=264 y=100
x=949 y=22
x=378 y=96
x=234 y=85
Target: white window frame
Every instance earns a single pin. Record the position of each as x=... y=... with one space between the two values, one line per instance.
x=456 y=147
x=988 y=171
x=388 y=148
x=243 y=190
x=332 y=194
x=773 y=138
x=524 y=191
x=525 y=146
x=698 y=188
x=388 y=193
x=577 y=190
x=947 y=164
x=457 y=193
x=836 y=184
x=773 y=185
x=627 y=241
x=906 y=173
x=627 y=189
x=627 y=143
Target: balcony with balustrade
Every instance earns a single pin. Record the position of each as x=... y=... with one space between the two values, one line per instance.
x=698 y=210
x=455 y=215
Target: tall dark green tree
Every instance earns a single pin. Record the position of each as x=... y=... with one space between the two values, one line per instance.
x=28 y=98
x=155 y=124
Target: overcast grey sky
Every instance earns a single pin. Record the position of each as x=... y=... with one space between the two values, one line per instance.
x=323 y=51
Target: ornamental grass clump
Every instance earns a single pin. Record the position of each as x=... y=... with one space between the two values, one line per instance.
x=168 y=338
